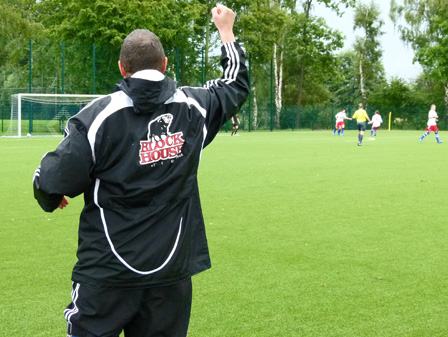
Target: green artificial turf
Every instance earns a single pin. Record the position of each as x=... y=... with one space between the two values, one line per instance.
x=309 y=235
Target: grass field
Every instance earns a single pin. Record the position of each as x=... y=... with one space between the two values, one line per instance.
x=39 y=128
x=309 y=235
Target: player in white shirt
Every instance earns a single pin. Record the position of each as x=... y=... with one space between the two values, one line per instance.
x=340 y=117
x=376 y=122
x=432 y=124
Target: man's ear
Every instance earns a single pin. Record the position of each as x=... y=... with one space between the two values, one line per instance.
x=165 y=62
x=122 y=70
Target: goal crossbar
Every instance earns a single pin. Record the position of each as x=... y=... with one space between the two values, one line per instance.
x=43 y=99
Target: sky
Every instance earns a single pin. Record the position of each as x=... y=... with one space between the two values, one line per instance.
x=397 y=57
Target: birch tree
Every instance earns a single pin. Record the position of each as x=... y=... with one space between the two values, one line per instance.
x=261 y=28
x=367 y=47
x=307 y=7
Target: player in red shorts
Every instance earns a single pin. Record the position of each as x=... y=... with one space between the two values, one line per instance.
x=432 y=124
x=340 y=117
x=376 y=122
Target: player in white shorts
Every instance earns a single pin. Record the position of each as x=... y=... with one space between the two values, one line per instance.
x=376 y=122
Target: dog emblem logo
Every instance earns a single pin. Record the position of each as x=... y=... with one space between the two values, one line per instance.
x=161 y=144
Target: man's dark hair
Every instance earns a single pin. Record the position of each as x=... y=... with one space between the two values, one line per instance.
x=140 y=50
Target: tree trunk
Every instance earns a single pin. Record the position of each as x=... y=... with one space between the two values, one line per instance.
x=207 y=43
x=362 y=83
x=299 y=98
x=254 y=108
x=446 y=102
x=307 y=7
x=278 y=78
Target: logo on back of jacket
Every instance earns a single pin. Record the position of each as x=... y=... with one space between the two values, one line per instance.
x=161 y=144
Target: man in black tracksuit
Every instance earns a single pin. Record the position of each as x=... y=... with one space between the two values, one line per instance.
x=135 y=155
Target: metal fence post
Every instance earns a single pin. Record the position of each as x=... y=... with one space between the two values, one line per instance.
x=312 y=128
x=203 y=67
x=293 y=118
x=349 y=115
x=63 y=67
x=93 y=68
x=272 y=95
x=31 y=67
x=418 y=117
x=445 y=119
x=30 y=116
x=177 y=66
x=250 y=93
x=331 y=117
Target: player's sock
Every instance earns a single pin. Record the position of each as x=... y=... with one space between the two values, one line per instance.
x=437 y=137
x=334 y=132
x=342 y=132
x=371 y=133
x=361 y=137
x=339 y=132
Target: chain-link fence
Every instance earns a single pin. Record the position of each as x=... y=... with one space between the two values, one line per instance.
x=322 y=117
x=45 y=66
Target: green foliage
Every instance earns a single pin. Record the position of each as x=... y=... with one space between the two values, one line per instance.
x=425 y=90
x=338 y=6
x=261 y=23
x=395 y=93
x=14 y=21
x=318 y=48
x=108 y=22
x=370 y=69
x=344 y=84
x=426 y=29
x=14 y=24
x=192 y=47
x=432 y=54
x=367 y=18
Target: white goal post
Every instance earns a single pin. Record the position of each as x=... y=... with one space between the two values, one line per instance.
x=43 y=114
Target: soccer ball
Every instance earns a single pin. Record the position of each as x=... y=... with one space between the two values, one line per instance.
x=28 y=135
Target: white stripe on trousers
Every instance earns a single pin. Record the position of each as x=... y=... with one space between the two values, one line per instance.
x=68 y=313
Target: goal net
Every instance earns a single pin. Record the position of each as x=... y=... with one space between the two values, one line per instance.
x=43 y=114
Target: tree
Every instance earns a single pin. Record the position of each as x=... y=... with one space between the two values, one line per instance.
x=367 y=47
x=261 y=28
x=336 y=6
x=425 y=91
x=205 y=34
x=16 y=29
x=321 y=61
x=14 y=23
x=107 y=23
x=274 y=30
x=395 y=93
x=344 y=85
x=425 y=28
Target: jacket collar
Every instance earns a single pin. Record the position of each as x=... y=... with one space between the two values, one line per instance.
x=150 y=75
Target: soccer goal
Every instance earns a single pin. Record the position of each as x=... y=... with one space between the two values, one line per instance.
x=43 y=114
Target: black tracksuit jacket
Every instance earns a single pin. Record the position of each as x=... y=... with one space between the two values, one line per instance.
x=134 y=154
